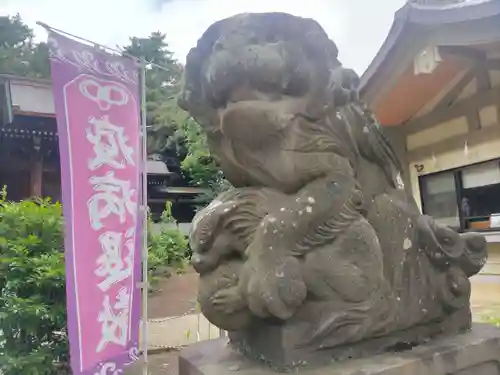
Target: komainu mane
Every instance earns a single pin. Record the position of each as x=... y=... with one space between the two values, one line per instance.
x=319 y=245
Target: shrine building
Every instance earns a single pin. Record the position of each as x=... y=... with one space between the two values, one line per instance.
x=434 y=86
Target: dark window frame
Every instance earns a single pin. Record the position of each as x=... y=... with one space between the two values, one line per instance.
x=457 y=175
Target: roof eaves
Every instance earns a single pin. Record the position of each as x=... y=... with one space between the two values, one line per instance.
x=453 y=13
x=426 y=15
x=396 y=31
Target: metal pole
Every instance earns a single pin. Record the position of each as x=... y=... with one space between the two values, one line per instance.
x=116 y=50
x=144 y=180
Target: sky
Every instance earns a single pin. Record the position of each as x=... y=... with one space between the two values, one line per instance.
x=358 y=27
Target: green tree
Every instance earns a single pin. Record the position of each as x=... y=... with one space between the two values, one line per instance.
x=19 y=54
x=169 y=126
x=162 y=84
x=198 y=162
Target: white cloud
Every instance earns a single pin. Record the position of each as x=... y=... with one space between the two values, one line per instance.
x=358 y=27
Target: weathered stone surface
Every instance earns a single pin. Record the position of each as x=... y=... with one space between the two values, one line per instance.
x=476 y=352
x=319 y=246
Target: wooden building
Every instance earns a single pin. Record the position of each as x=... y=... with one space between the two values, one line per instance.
x=29 y=153
x=435 y=87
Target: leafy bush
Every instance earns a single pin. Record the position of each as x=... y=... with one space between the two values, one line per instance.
x=33 y=338
x=32 y=283
x=167 y=250
x=493 y=320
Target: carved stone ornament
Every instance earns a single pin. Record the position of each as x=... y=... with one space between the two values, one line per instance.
x=319 y=245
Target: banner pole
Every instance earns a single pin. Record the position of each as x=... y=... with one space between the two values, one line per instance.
x=144 y=180
x=95 y=44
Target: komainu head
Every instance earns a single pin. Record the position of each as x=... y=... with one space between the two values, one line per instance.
x=269 y=57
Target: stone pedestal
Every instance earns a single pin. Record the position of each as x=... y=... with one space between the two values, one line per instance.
x=476 y=352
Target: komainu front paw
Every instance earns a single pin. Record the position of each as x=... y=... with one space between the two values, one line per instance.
x=228 y=300
x=276 y=289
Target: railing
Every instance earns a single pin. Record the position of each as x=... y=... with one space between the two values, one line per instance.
x=173 y=333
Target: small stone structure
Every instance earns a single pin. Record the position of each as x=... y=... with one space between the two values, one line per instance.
x=319 y=252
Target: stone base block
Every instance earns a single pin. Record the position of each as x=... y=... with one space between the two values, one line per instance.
x=476 y=352
x=282 y=346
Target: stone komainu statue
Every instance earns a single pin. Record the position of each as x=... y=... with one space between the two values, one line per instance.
x=319 y=245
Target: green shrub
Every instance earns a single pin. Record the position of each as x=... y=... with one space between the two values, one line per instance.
x=32 y=283
x=33 y=338
x=167 y=250
x=493 y=320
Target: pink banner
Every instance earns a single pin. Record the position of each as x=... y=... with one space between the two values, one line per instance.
x=96 y=96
